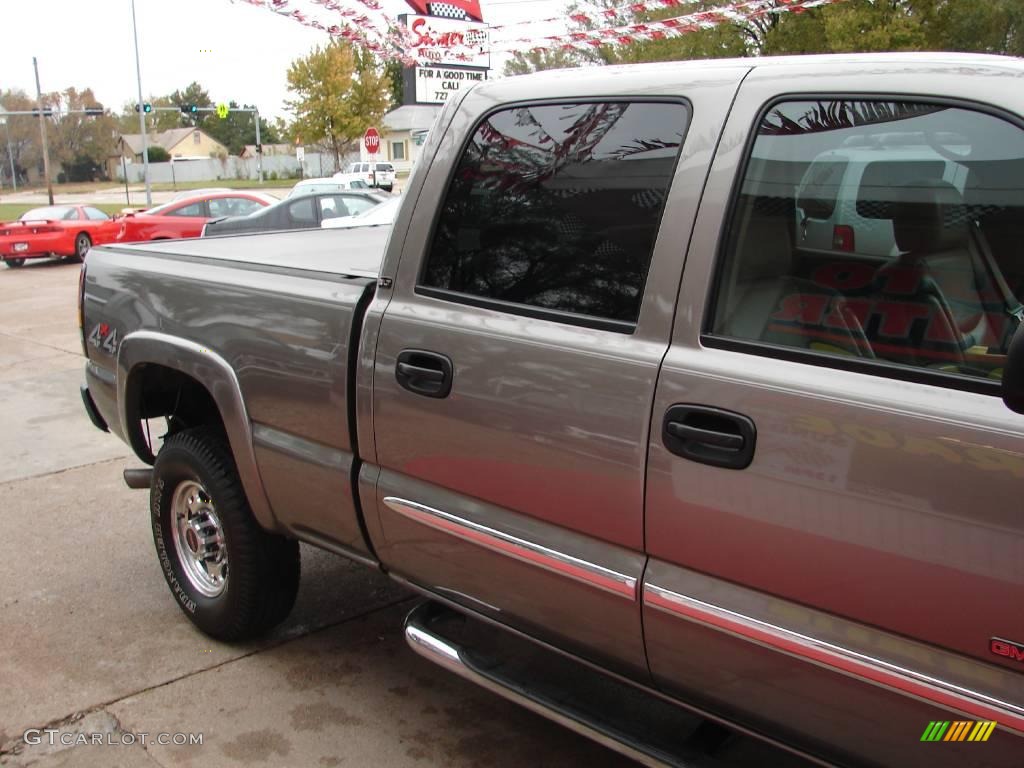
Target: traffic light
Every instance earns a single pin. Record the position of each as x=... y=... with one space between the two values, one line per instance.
x=147 y=107
x=189 y=109
x=47 y=112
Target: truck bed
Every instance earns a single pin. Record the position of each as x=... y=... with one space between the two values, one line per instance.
x=267 y=326
x=355 y=252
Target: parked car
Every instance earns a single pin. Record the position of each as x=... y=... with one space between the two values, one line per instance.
x=326 y=184
x=186 y=217
x=302 y=212
x=644 y=454
x=380 y=215
x=375 y=174
x=58 y=230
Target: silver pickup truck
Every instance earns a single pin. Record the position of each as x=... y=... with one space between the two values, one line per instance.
x=599 y=391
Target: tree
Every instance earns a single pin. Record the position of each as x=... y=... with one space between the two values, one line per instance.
x=341 y=91
x=996 y=26
x=194 y=93
x=157 y=154
x=24 y=147
x=238 y=129
x=394 y=70
x=80 y=143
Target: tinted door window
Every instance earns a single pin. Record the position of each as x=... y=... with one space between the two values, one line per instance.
x=333 y=206
x=557 y=207
x=941 y=200
x=302 y=211
x=195 y=209
x=359 y=204
x=94 y=214
x=232 y=206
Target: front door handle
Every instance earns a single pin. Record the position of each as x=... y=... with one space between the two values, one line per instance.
x=709 y=436
x=424 y=373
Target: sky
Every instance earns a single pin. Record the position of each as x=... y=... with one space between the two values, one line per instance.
x=235 y=50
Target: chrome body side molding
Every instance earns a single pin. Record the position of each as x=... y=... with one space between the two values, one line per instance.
x=588 y=573
x=842 y=660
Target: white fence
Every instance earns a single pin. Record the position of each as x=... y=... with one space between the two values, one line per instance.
x=218 y=169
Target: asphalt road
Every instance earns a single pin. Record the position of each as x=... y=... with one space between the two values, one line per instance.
x=93 y=646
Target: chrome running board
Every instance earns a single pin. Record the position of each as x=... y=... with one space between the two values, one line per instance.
x=613 y=713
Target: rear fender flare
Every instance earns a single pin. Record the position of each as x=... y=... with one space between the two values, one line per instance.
x=213 y=372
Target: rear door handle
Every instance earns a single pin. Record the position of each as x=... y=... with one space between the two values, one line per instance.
x=424 y=373
x=709 y=436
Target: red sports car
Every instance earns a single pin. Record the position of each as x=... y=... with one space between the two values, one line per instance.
x=57 y=230
x=186 y=216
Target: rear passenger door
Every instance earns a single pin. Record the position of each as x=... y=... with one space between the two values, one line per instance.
x=514 y=373
x=834 y=494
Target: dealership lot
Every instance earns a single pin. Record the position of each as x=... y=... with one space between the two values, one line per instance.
x=93 y=648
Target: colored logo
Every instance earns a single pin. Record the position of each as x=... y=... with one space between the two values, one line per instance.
x=959 y=730
x=1007 y=648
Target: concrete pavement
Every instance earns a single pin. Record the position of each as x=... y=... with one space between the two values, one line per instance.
x=93 y=646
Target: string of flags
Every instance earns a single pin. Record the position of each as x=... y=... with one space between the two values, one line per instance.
x=364 y=23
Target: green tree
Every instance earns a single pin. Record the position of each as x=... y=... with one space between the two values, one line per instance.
x=394 y=70
x=995 y=26
x=157 y=154
x=341 y=91
x=238 y=129
x=193 y=93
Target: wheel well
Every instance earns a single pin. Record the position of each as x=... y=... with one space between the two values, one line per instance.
x=155 y=391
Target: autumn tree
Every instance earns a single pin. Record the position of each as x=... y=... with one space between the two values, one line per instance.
x=19 y=140
x=80 y=143
x=341 y=91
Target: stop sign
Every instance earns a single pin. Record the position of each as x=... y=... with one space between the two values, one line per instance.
x=371 y=140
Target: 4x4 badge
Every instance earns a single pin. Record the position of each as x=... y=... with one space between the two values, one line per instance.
x=1007 y=648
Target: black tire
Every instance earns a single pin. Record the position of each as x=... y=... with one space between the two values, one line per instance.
x=261 y=570
x=82 y=245
x=14 y=263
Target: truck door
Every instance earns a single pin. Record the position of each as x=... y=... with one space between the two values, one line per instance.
x=514 y=372
x=833 y=498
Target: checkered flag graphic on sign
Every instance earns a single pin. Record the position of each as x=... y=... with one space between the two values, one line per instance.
x=447 y=11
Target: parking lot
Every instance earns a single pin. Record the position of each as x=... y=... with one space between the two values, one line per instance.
x=91 y=641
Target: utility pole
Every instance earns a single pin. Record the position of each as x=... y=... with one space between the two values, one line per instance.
x=42 y=131
x=142 y=115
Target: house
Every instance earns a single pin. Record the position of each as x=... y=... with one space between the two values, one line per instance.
x=179 y=143
x=402 y=134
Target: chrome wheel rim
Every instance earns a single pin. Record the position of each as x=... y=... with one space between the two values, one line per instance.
x=82 y=245
x=199 y=539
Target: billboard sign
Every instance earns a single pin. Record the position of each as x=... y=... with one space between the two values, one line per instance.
x=442 y=42
x=434 y=84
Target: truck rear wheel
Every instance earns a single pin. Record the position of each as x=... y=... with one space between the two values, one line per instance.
x=231 y=578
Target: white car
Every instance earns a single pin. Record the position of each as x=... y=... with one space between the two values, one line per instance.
x=375 y=174
x=326 y=184
x=380 y=215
